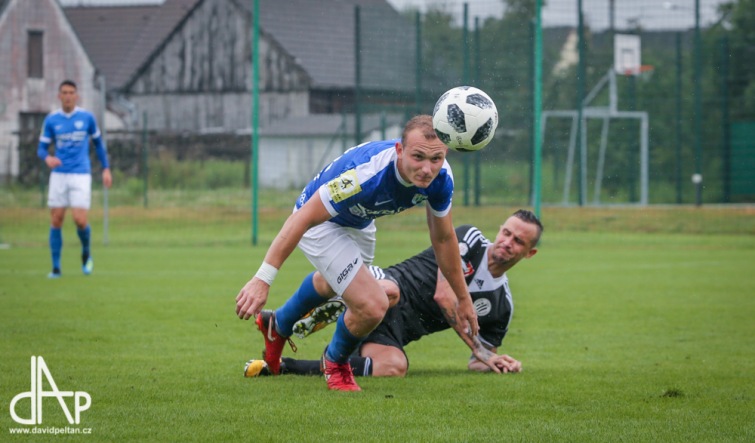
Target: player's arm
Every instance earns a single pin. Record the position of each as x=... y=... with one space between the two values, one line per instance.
x=446 y=247
x=45 y=139
x=253 y=296
x=448 y=303
x=484 y=358
x=101 y=151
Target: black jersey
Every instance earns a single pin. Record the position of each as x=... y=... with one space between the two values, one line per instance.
x=420 y=315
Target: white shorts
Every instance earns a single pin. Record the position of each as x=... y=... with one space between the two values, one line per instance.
x=69 y=190
x=339 y=252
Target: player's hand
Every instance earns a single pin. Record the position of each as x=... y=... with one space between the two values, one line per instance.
x=52 y=161
x=508 y=364
x=251 y=298
x=107 y=178
x=468 y=316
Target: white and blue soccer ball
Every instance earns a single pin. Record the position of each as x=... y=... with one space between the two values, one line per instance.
x=465 y=118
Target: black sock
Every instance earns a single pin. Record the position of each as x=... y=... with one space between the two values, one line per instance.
x=362 y=366
x=300 y=367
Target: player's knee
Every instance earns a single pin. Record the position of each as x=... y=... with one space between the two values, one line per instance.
x=80 y=220
x=373 y=310
x=392 y=367
x=56 y=219
x=321 y=285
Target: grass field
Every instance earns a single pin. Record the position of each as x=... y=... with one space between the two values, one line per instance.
x=632 y=325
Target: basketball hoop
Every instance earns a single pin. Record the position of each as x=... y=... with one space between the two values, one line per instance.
x=644 y=72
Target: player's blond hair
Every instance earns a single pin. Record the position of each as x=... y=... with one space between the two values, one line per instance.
x=422 y=122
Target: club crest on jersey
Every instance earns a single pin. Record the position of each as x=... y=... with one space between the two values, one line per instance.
x=418 y=198
x=482 y=306
x=78 y=124
x=344 y=186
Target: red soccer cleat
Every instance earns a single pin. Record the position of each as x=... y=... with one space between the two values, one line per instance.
x=339 y=376
x=274 y=342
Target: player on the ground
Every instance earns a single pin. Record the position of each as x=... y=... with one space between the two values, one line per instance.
x=70 y=129
x=333 y=224
x=423 y=299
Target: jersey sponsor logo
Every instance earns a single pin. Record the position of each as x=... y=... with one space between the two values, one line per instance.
x=344 y=186
x=73 y=137
x=482 y=306
x=370 y=214
x=342 y=276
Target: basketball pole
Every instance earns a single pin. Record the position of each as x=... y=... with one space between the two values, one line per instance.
x=103 y=131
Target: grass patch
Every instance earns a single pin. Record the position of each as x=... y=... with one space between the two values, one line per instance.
x=632 y=325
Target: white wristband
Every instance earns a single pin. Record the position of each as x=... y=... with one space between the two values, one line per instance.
x=266 y=273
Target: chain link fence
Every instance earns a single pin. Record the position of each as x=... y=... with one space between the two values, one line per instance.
x=694 y=87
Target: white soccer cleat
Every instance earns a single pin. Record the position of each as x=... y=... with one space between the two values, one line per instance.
x=320 y=317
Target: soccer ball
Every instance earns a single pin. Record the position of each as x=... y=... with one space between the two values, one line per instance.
x=465 y=119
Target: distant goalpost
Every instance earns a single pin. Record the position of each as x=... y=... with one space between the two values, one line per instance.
x=626 y=62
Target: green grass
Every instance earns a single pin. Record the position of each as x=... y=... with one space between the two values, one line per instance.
x=632 y=325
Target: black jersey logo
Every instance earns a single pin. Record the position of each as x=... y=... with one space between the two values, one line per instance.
x=482 y=306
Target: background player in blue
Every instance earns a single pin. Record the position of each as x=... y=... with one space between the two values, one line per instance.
x=421 y=298
x=70 y=129
x=333 y=224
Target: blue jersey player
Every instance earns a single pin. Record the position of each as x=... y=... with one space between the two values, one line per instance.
x=70 y=130
x=333 y=225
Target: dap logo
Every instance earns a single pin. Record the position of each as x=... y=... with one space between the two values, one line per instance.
x=36 y=394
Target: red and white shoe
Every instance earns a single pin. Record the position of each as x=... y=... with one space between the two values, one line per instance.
x=274 y=342
x=339 y=376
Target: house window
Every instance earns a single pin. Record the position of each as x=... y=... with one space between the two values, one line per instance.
x=35 y=52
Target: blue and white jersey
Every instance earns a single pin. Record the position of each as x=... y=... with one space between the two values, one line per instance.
x=70 y=133
x=364 y=184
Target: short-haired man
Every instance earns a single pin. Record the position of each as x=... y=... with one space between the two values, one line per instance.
x=334 y=225
x=70 y=129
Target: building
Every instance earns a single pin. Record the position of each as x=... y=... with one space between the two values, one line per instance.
x=38 y=50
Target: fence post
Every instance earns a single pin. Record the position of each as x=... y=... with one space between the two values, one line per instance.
x=145 y=157
x=697 y=178
x=725 y=121
x=678 y=118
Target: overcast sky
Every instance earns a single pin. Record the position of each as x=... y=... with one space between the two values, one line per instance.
x=650 y=14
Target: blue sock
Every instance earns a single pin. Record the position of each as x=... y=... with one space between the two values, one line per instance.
x=84 y=235
x=343 y=344
x=56 y=245
x=304 y=300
